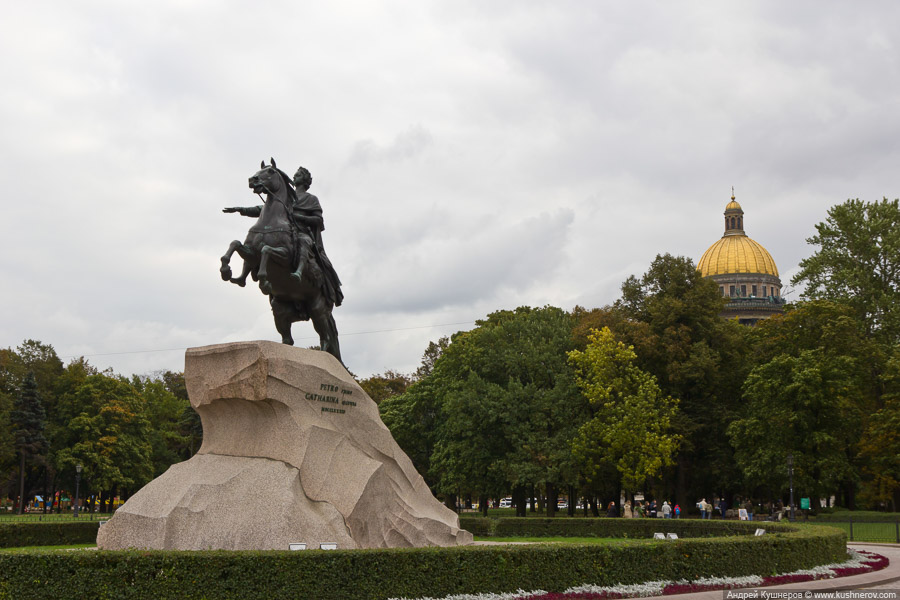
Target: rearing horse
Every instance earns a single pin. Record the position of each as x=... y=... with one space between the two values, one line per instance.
x=269 y=254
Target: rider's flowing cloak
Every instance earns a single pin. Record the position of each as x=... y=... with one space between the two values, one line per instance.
x=308 y=205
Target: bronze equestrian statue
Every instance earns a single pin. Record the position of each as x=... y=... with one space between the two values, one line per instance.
x=284 y=252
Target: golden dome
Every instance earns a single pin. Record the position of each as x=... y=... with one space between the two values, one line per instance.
x=733 y=205
x=736 y=254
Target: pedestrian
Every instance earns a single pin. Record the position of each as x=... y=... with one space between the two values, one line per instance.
x=666 y=510
x=677 y=511
x=611 y=510
x=627 y=510
x=707 y=507
x=653 y=509
x=702 y=506
x=722 y=507
x=638 y=509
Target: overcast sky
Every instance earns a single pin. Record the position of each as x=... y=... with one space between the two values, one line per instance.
x=469 y=156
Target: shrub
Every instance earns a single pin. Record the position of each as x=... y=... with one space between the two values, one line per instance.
x=47 y=533
x=630 y=528
x=378 y=574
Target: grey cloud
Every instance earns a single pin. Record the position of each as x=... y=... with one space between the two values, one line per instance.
x=407 y=144
x=468 y=266
x=469 y=156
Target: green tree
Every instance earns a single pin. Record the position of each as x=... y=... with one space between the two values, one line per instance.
x=28 y=422
x=507 y=387
x=858 y=262
x=631 y=426
x=383 y=386
x=833 y=332
x=164 y=412
x=670 y=316
x=468 y=453
x=7 y=395
x=806 y=405
x=107 y=433
x=880 y=444
x=880 y=449
x=430 y=356
x=411 y=414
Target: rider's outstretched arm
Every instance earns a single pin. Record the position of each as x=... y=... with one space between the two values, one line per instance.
x=245 y=211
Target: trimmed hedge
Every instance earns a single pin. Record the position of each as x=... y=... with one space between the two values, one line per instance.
x=380 y=574
x=624 y=528
x=47 y=533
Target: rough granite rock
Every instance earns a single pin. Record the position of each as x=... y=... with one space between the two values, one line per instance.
x=293 y=451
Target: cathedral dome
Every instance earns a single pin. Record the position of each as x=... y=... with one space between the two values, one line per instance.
x=743 y=270
x=736 y=254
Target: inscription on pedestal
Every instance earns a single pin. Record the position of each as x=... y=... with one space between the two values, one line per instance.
x=328 y=395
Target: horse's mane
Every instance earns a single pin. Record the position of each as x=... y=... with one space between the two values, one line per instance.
x=288 y=184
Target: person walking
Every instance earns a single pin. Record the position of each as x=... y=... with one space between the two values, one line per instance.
x=702 y=506
x=666 y=510
x=611 y=510
x=627 y=510
x=677 y=510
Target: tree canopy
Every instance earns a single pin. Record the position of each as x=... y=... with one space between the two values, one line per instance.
x=631 y=425
x=858 y=262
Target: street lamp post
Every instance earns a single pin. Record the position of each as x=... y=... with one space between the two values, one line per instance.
x=791 y=477
x=77 y=482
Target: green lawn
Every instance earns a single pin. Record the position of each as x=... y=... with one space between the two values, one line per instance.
x=48 y=548
x=29 y=517
x=863 y=532
x=563 y=540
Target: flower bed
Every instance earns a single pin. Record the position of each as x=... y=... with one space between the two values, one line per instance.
x=860 y=561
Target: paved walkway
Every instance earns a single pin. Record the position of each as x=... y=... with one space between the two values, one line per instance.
x=885 y=579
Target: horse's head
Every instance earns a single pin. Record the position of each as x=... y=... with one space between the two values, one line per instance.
x=269 y=179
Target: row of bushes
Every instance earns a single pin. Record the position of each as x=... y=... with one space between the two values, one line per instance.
x=604 y=528
x=47 y=533
x=379 y=574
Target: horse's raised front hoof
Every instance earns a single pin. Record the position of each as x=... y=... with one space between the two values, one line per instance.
x=226 y=273
x=298 y=277
x=241 y=281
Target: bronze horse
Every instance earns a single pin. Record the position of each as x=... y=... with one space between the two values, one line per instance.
x=270 y=257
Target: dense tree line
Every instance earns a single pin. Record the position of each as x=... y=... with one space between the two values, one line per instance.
x=657 y=393
x=123 y=432
x=653 y=393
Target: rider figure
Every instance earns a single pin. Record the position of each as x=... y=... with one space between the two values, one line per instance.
x=307 y=216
